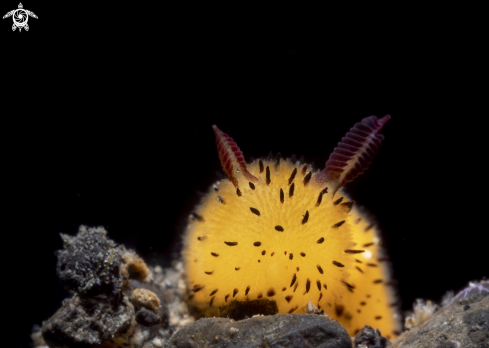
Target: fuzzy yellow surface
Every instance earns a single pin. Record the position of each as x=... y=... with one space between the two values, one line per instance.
x=373 y=301
x=232 y=253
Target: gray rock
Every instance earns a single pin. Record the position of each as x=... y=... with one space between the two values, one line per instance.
x=80 y=323
x=371 y=338
x=281 y=330
x=146 y=317
x=89 y=263
x=463 y=322
x=164 y=315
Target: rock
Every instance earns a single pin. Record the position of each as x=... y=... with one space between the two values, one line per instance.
x=369 y=338
x=134 y=267
x=281 y=330
x=83 y=322
x=152 y=297
x=89 y=263
x=111 y=284
x=462 y=322
x=147 y=318
x=143 y=298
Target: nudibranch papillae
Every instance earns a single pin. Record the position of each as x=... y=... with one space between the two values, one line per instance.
x=277 y=229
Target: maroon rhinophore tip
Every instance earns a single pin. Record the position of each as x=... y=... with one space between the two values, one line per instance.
x=231 y=157
x=354 y=153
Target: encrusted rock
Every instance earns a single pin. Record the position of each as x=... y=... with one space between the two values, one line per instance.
x=116 y=303
x=82 y=322
x=150 y=296
x=281 y=330
x=370 y=338
x=143 y=298
x=134 y=267
x=462 y=322
x=89 y=263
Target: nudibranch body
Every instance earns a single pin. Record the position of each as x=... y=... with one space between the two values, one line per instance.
x=282 y=231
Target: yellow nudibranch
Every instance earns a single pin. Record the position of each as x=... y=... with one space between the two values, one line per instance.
x=282 y=231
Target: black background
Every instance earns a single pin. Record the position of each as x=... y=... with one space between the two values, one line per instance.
x=107 y=112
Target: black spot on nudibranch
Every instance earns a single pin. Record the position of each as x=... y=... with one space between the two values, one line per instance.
x=231 y=243
x=238 y=192
x=271 y=292
x=263 y=252
x=377 y=281
x=296 y=285
x=212 y=300
x=307 y=178
x=369 y=227
x=338 y=264
x=292 y=176
x=252 y=186
x=291 y=256
x=308 y=285
x=235 y=291
x=282 y=198
x=303 y=254
x=293 y=309
x=366 y=245
x=318 y=283
x=247 y=290
x=197 y=287
x=201 y=238
x=320 y=240
x=268 y=176
x=325 y=286
x=288 y=298
x=347 y=205
x=197 y=217
x=372 y=264
x=213 y=292
x=338 y=201
x=320 y=269
x=257 y=244
x=348 y=286
x=214 y=254
x=306 y=217
x=237 y=268
x=291 y=190
x=320 y=197
x=260 y=163
x=294 y=278
x=339 y=310
x=226 y=298
x=209 y=273
x=255 y=211
x=350 y=251
x=279 y=228
x=338 y=224
x=359 y=269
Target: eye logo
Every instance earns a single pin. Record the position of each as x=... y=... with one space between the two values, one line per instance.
x=20 y=17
